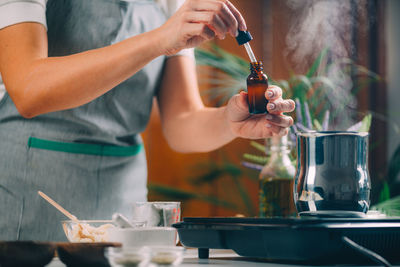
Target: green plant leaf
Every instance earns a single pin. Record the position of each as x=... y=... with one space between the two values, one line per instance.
x=223 y=61
x=255 y=158
x=178 y=194
x=322 y=85
x=363 y=71
x=317 y=125
x=394 y=166
x=216 y=173
x=258 y=146
x=170 y=192
x=231 y=169
x=207 y=178
x=366 y=123
x=300 y=83
x=316 y=64
x=385 y=192
x=390 y=207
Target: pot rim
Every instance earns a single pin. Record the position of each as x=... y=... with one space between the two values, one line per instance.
x=331 y=133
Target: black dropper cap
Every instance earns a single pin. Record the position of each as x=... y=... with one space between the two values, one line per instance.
x=243 y=37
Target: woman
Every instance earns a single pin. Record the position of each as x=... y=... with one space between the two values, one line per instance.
x=80 y=77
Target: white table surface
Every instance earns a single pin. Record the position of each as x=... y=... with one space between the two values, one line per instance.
x=220 y=258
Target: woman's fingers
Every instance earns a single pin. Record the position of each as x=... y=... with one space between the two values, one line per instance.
x=225 y=10
x=200 y=33
x=279 y=120
x=230 y=20
x=212 y=20
x=238 y=16
x=276 y=104
x=276 y=130
x=227 y=16
x=280 y=106
x=193 y=23
x=273 y=92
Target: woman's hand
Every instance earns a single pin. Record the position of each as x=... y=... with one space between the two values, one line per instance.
x=242 y=124
x=198 y=21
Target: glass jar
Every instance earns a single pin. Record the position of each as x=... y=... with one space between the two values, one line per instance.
x=276 y=181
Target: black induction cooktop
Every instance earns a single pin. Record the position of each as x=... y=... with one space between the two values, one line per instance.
x=306 y=239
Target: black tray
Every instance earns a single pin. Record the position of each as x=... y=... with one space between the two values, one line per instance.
x=316 y=240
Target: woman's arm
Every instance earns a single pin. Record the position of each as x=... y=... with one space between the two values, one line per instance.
x=190 y=127
x=187 y=125
x=38 y=84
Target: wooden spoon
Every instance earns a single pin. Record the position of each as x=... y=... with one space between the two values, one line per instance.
x=58 y=206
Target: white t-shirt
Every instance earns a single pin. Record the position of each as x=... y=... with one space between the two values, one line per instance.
x=17 y=11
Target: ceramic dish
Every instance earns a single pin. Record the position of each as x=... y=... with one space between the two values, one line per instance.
x=84 y=254
x=144 y=236
x=26 y=253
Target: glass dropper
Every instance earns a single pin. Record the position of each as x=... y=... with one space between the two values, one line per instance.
x=250 y=53
x=243 y=38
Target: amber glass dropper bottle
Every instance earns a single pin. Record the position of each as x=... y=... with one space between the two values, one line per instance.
x=257 y=85
x=257 y=81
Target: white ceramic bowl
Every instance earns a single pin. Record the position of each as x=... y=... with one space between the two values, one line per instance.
x=144 y=236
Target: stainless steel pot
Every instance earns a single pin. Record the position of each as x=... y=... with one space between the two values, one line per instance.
x=332 y=173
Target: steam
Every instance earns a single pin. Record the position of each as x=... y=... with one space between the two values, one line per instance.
x=320 y=24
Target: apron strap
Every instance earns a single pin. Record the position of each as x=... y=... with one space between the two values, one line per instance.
x=83 y=148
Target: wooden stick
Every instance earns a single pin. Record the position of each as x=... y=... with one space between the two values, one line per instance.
x=57 y=206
